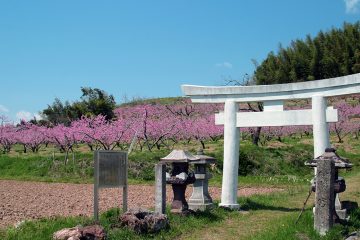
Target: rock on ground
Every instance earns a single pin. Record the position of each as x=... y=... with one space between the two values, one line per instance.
x=94 y=232
x=143 y=221
x=353 y=236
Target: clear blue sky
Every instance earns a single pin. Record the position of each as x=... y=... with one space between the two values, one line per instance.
x=144 y=48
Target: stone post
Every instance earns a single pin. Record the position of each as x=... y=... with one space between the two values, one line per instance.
x=324 y=196
x=320 y=126
x=160 y=188
x=231 y=157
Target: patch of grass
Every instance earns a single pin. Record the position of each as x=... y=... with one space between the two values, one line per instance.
x=46 y=168
x=162 y=101
x=37 y=167
x=273 y=217
x=304 y=229
x=44 y=228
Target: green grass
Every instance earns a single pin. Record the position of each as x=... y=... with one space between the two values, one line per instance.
x=43 y=229
x=162 y=101
x=273 y=217
x=287 y=229
x=39 y=167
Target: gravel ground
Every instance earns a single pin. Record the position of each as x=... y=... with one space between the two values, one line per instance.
x=33 y=200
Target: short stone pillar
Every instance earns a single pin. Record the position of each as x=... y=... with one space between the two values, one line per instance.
x=324 y=196
x=200 y=198
x=160 y=188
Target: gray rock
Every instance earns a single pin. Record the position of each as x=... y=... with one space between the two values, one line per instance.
x=144 y=221
x=94 y=232
x=156 y=222
x=353 y=236
x=68 y=234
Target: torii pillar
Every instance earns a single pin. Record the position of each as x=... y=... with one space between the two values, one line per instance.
x=320 y=126
x=231 y=154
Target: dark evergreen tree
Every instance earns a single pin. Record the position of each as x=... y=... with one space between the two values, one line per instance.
x=93 y=102
x=329 y=54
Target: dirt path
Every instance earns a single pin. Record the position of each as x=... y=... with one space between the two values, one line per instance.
x=32 y=200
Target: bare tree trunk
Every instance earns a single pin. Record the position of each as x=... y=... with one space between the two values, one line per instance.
x=66 y=156
x=202 y=144
x=256 y=136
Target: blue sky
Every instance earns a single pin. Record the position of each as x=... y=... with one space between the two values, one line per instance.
x=143 y=48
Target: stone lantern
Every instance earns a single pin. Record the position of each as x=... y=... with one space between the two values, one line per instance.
x=339 y=184
x=179 y=178
x=200 y=198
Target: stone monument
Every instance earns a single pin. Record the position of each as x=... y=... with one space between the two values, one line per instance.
x=324 y=196
x=339 y=182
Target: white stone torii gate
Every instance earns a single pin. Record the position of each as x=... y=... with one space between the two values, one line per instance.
x=273 y=115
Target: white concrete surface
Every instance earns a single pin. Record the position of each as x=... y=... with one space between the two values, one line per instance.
x=320 y=126
x=329 y=87
x=276 y=105
x=277 y=118
x=231 y=157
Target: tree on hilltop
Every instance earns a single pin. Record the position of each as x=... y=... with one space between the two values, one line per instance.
x=330 y=54
x=93 y=102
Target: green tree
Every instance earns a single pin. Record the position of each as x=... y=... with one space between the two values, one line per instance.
x=329 y=54
x=97 y=102
x=92 y=102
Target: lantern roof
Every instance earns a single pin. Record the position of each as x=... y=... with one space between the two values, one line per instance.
x=330 y=154
x=179 y=156
x=203 y=158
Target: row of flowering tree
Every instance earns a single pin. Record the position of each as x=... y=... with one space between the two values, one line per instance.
x=348 y=124
x=154 y=126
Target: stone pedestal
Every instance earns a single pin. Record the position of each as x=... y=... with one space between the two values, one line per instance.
x=179 y=203
x=200 y=198
x=324 y=196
